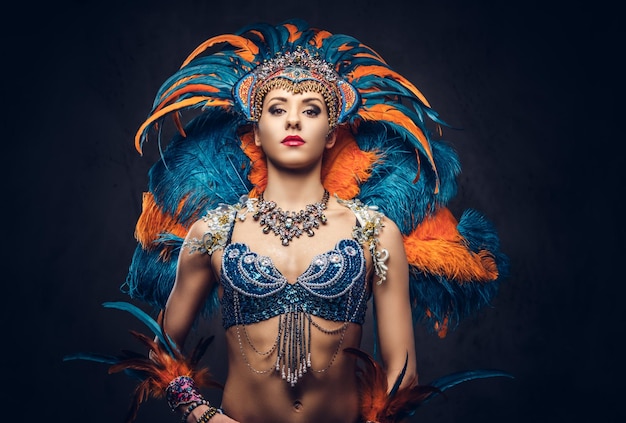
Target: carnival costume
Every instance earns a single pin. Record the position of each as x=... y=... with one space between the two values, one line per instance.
x=388 y=160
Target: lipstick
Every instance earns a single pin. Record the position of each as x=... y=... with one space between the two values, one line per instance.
x=292 y=141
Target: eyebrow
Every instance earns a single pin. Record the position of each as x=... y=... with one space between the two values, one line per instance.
x=304 y=100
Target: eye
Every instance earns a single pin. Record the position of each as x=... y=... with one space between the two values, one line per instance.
x=276 y=110
x=312 y=111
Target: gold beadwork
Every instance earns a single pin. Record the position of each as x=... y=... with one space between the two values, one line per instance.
x=297 y=71
x=298 y=87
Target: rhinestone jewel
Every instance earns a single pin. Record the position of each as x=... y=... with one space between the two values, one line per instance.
x=289 y=225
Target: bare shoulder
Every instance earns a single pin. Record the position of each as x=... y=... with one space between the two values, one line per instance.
x=197 y=229
x=389 y=235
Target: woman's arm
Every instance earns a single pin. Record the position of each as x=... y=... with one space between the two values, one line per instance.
x=393 y=310
x=195 y=278
x=194 y=281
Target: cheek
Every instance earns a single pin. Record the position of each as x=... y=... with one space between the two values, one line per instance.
x=262 y=130
x=267 y=120
x=323 y=132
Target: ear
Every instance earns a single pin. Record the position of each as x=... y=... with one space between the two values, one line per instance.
x=331 y=138
x=257 y=138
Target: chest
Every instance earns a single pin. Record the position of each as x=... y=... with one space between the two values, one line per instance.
x=327 y=274
x=292 y=261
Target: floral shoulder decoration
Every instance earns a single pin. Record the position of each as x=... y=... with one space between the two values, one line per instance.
x=370 y=224
x=219 y=222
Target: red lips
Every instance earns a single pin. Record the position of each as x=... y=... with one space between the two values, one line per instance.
x=293 y=141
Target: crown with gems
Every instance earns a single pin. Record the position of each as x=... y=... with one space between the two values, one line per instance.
x=296 y=71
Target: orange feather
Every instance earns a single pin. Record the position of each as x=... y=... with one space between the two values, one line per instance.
x=153 y=221
x=172 y=96
x=178 y=83
x=159 y=368
x=386 y=72
x=247 y=49
x=376 y=403
x=437 y=246
x=369 y=55
x=294 y=33
x=258 y=167
x=319 y=37
x=391 y=114
x=345 y=166
x=164 y=111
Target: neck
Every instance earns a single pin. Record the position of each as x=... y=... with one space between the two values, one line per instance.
x=293 y=191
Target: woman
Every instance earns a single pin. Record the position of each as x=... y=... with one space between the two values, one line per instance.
x=293 y=132
x=301 y=123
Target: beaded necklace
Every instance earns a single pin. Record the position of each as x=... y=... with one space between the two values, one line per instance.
x=288 y=224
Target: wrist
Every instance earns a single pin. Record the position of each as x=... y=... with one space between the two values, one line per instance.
x=197 y=413
x=208 y=414
x=181 y=390
x=194 y=410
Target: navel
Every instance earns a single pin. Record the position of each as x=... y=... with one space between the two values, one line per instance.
x=297 y=406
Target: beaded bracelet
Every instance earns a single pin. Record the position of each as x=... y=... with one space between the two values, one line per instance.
x=207 y=415
x=181 y=390
x=191 y=407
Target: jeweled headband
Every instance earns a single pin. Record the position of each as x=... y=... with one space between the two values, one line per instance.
x=296 y=71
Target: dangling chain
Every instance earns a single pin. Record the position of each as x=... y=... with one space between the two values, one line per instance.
x=293 y=342
x=287 y=224
x=293 y=359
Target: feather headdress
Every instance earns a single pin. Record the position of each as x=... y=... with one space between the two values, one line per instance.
x=387 y=154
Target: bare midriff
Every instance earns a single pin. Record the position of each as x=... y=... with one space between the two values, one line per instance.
x=255 y=392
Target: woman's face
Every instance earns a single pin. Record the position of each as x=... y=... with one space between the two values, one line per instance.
x=293 y=129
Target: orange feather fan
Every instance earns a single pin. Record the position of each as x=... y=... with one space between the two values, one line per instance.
x=160 y=368
x=378 y=403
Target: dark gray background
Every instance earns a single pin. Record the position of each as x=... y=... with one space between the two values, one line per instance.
x=533 y=85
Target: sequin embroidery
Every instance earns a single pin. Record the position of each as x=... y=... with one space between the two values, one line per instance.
x=332 y=280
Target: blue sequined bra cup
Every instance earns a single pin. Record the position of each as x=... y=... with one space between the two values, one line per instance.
x=333 y=287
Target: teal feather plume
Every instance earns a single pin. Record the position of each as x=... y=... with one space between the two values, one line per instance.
x=189 y=170
x=150 y=278
x=143 y=317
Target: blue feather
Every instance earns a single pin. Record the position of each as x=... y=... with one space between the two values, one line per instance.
x=150 y=278
x=145 y=319
x=194 y=174
x=99 y=358
x=446 y=382
x=400 y=377
x=391 y=186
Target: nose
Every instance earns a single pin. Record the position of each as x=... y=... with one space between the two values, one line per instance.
x=293 y=120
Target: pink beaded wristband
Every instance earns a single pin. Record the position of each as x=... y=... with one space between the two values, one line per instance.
x=181 y=390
